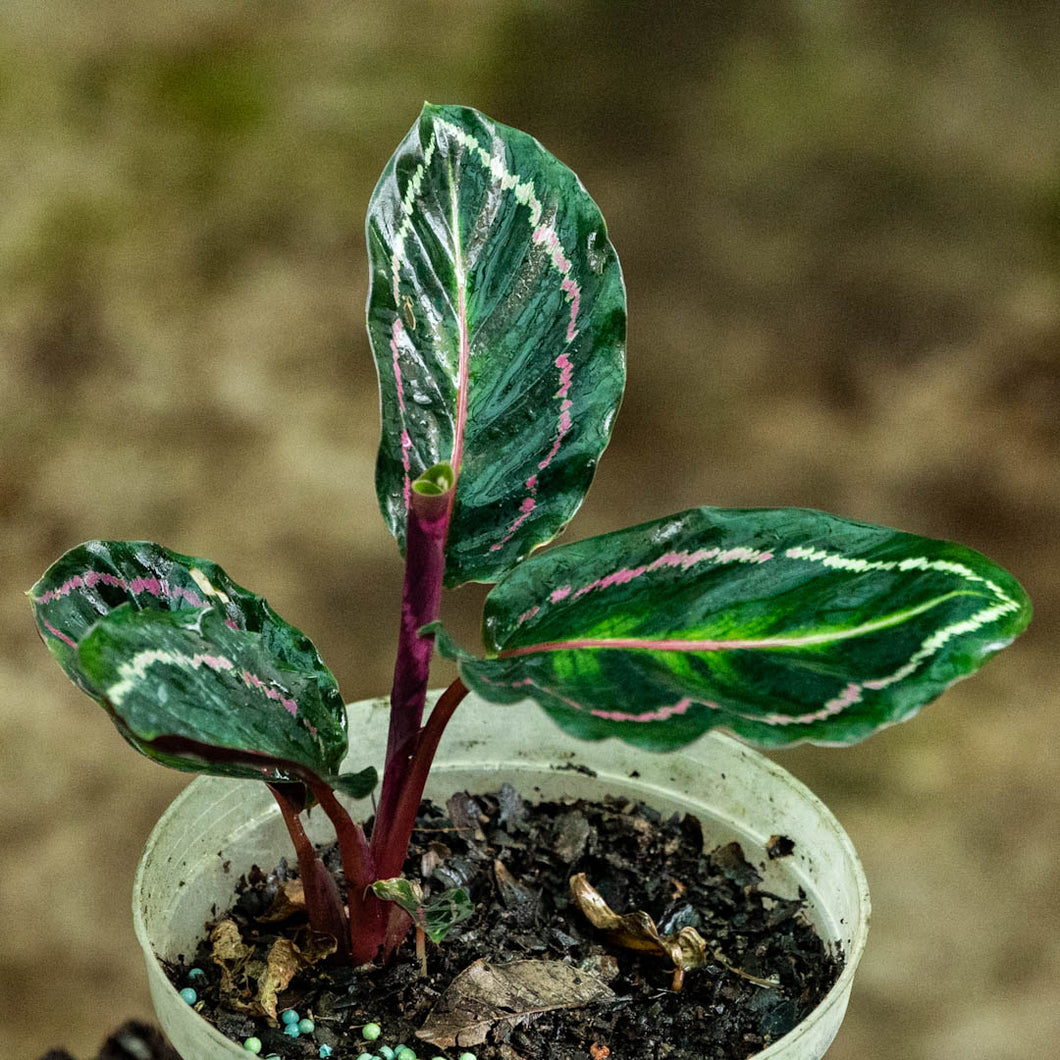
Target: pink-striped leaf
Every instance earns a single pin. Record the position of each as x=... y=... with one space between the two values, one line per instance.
x=497 y=319
x=195 y=671
x=778 y=625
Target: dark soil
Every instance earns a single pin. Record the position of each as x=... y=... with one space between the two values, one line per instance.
x=516 y=861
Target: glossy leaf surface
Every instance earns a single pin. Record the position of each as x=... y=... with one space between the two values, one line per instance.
x=435 y=916
x=177 y=651
x=93 y=579
x=778 y=625
x=497 y=318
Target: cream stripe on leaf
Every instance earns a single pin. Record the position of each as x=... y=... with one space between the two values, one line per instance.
x=496 y=313
x=778 y=625
x=187 y=676
x=88 y=582
x=195 y=671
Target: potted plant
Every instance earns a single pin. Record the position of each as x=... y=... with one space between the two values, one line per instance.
x=496 y=313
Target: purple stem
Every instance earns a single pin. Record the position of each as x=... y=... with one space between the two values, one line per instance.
x=322 y=900
x=367 y=924
x=393 y=852
x=427 y=526
x=367 y=921
x=390 y=856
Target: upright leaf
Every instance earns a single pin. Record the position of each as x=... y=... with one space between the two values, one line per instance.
x=779 y=625
x=195 y=671
x=497 y=319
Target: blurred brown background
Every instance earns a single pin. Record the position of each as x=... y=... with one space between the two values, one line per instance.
x=840 y=227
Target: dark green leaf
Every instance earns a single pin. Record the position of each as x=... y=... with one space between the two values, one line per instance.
x=107 y=604
x=356 y=785
x=497 y=319
x=779 y=625
x=93 y=579
x=185 y=683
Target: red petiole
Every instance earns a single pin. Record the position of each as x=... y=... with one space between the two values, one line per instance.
x=411 y=745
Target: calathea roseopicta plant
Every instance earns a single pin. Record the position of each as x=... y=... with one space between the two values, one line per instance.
x=496 y=314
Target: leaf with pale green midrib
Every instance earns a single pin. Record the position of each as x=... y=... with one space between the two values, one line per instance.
x=779 y=625
x=497 y=319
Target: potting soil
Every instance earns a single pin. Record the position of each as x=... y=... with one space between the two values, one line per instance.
x=528 y=953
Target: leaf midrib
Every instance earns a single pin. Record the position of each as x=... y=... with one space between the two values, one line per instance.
x=734 y=644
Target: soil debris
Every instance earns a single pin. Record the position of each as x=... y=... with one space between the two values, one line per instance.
x=484 y=995
x=779 y=846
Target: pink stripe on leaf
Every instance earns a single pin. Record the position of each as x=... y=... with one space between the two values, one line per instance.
x=847 y=698
x=58 y=633
x=657 y=714
x=253 y=681
x=135 y=587
x=660 y=714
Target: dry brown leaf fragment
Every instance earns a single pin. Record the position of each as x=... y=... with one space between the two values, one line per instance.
x=513 y=893
x=466 y=816
x=572 y=833
x=313 y=946
x=430 y=859
x=633 y=931
x=228 y=952
x=484 y=994
x=285 y=960
x=281 y=966
x=686 y=949
x=227 y=943
x=288 y=900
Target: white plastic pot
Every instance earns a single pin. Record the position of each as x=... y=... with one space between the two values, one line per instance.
x=217 y=829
